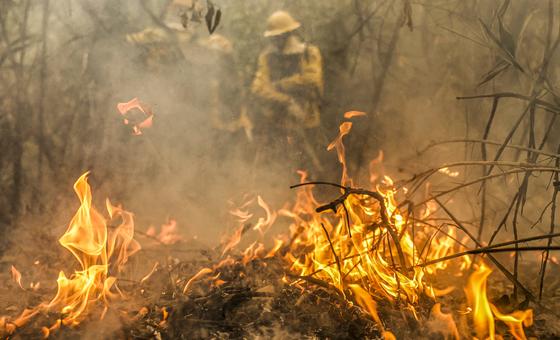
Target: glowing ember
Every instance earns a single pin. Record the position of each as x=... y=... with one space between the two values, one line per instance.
x=448 y=172
x=145 y=121
x=16 y=276
x=351 y=114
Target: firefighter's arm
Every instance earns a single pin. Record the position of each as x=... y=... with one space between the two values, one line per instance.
x=263 y=87
x=150 y=35
x=311 y=75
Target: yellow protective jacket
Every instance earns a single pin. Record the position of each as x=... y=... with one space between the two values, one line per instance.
x=160 y=47
x=283 y=79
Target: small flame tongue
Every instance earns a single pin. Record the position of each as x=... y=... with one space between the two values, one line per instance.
x=483 y=312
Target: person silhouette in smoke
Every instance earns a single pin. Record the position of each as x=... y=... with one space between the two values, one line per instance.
x=288 y=85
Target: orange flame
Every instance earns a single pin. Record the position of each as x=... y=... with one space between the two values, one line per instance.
x=234 y=239
x=264 y=223
x=351 y=114
x=337 y=144
x=201 y=273
x=16 y=276
x=88 y=239
x=168 y=233
x=484 y=312
x=95 y=248
x=356 y=250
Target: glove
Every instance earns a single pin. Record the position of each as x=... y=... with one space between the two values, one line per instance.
x=295 y=110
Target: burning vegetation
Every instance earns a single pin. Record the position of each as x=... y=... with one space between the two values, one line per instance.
x=359 y=255
x=388 y=221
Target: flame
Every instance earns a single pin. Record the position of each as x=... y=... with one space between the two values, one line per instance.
x=441 y=247
x=515 y=321
x=363 y=298
x=368 y=251
x=448 y=172
x=356 y=249
x=16 y=276
x=277 y=245
x=147 y=277
x=337 y=144
x=98 y=252
x=201 y=273
x=88 y=239
x=164 y=316
x=168 y=233
x=234 y=239
x=255 y=250
x=242 y=215
x=484 y=313
x=351 y=114
x=264 y=223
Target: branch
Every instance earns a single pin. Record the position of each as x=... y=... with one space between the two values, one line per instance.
x=374 y=194
x=549 y=106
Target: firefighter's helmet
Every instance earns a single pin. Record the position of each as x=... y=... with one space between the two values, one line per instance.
x=280 y=22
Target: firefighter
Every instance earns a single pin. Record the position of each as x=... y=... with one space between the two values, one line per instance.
x=162 y=44
x=226 y=105
x=289 y=86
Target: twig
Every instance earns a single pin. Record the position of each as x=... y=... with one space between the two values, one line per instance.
x=422 y=177
x=382 y=208
x=552 y=227
x=504 y=219
x=549 y=106
x=478 y=180
x=317 y=282
x=334 y=253
x=503 y=269
x=490 y=142
x=484 y=169
x=489 y=250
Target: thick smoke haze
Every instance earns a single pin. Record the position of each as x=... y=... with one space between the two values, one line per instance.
x=401 y=65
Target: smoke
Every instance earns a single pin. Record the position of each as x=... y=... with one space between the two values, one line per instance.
x=61 y=83
x=184 y=166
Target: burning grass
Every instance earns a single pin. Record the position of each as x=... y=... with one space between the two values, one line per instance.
x=359 y=266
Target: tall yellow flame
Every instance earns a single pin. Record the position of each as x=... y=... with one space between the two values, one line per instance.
x=89 y=240
x=484 y=313
x=478 y=300
x=98 y=250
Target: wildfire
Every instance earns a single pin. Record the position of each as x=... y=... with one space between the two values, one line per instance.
x=99 y=251
x=367 y=247
x=361 y=244
x=368 y=251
